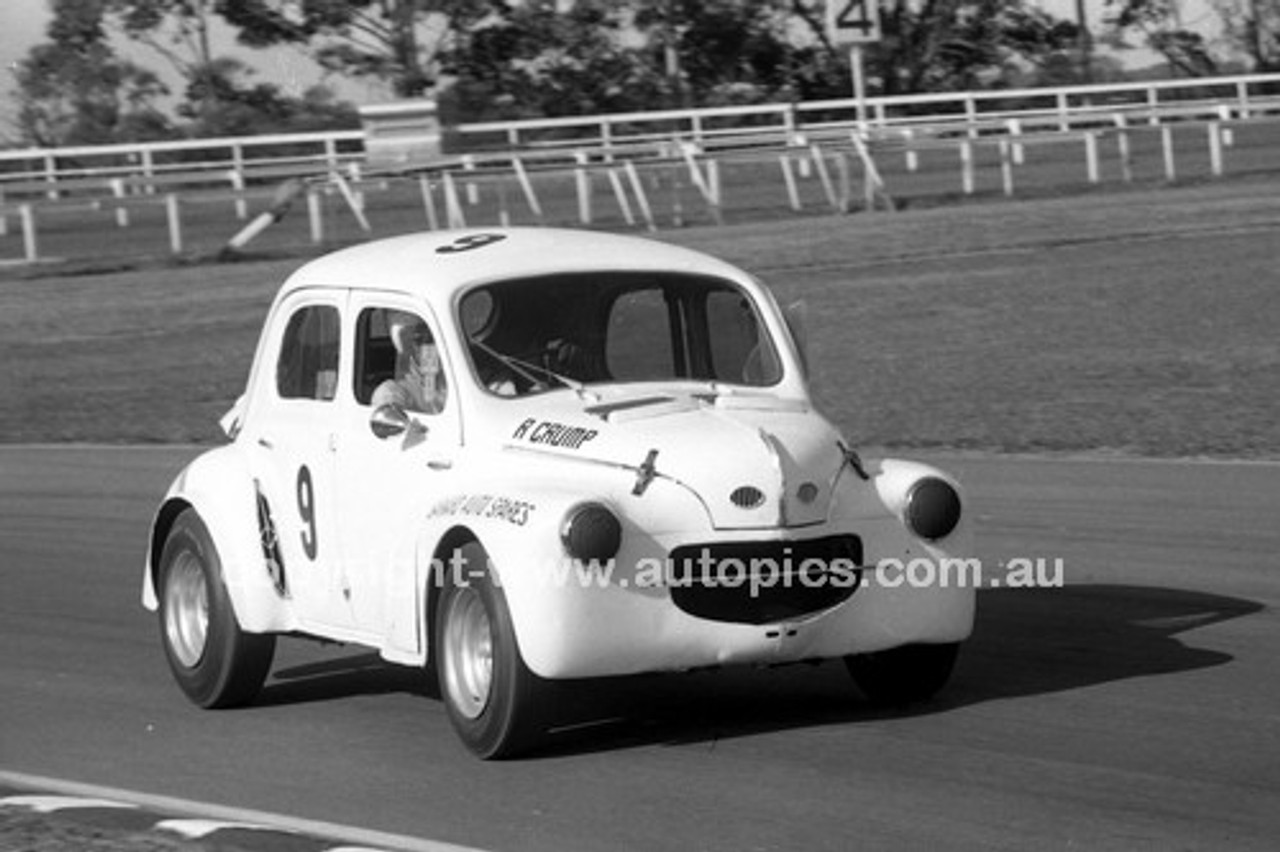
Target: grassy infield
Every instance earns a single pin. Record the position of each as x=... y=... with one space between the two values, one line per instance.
x=1140 y=322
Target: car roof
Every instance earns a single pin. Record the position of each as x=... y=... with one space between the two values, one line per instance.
x=438 y=264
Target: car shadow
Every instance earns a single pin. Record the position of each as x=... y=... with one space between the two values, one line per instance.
x=1027 y=642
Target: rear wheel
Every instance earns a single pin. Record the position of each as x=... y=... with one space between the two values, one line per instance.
x=903 y=675
x=489 y=692
x=215 y=662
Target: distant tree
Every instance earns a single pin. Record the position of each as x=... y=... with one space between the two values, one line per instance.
x=776 y=49
x=237 y=107
x=719 y=51
x=74 y=90
x=396 y=41
x=220 y=100
x=535 y=59
x=1159 y=24
x=956 y=45
x=177 y=30
x=1252 y=27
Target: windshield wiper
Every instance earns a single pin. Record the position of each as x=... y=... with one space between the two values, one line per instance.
x=523 y=368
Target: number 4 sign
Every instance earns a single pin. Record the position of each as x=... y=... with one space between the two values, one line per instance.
x=853 y=21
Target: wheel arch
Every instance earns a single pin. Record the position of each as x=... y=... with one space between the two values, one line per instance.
x=453 y=538
x=219 y=487
x=165 y=516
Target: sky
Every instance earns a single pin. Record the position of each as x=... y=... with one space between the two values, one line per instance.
x=22 y=26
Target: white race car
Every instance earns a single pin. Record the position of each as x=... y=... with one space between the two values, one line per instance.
x=519 y=456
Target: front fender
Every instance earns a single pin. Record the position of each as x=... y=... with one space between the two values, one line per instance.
x=542 y=584
x=219 y=486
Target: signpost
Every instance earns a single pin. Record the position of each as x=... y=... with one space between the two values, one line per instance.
x=855 y=23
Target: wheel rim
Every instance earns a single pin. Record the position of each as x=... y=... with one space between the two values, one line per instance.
x=468 y=652
x=186 y=609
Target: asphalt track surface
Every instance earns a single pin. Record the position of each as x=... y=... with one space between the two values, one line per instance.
x=1136 y=707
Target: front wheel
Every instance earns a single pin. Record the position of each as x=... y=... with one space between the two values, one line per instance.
x=904 y=675
x=215 y=662
x=489 y=692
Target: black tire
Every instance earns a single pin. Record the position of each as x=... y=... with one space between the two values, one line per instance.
x=904 y=675
x=493 y=700
x=215 y=662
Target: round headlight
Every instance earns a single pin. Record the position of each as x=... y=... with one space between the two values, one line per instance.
x=933 y=509
x=591 y=532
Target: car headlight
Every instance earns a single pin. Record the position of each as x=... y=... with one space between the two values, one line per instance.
x=591 y=532
x=932 y=509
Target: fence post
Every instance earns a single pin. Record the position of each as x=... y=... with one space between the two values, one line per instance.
x=236 y=176
x=29 y=243
x=315 y=215
x=912 y=156
x=1122 y=142
x=621 y=194
x=504 y=215
x=966 y=166
x=1006 y=168
x=677 y=191
x=51 y=175
x=1242 y=95
x=1166 y=140
x=527 y=186
x=148 y=171
x=1228 y=135
x=793 y=194
x=428 y=202
x=695 y=175
x=1091 y=155
x=174 y=216
x=583 y=181
x=473 y=191
x=1015 y=132
x=1215 y=148
x=1064 y=111
x=237 y=179
x=452 y=206
x=118 y=192
x=820 y=166
x=637 y=186
x=331 y=155
x=355 y=202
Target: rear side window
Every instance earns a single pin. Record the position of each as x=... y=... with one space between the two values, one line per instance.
x=308 y=365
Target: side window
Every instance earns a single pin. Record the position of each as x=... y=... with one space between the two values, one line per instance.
x=398 y=361
x=639 y=345
x=308 y=365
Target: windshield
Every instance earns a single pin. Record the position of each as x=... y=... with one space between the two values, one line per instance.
x=532 y=335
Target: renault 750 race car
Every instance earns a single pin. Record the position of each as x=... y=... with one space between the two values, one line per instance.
x=519 y=456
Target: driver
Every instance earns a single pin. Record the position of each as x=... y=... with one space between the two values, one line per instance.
x=420 y=384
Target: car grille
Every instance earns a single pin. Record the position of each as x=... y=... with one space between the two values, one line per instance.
x=759 y=582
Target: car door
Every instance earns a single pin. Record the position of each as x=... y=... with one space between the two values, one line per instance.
x=389 y=482
x=293 y=435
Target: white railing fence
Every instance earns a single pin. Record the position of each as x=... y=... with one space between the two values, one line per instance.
x=237 y=160
x=531 y=166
